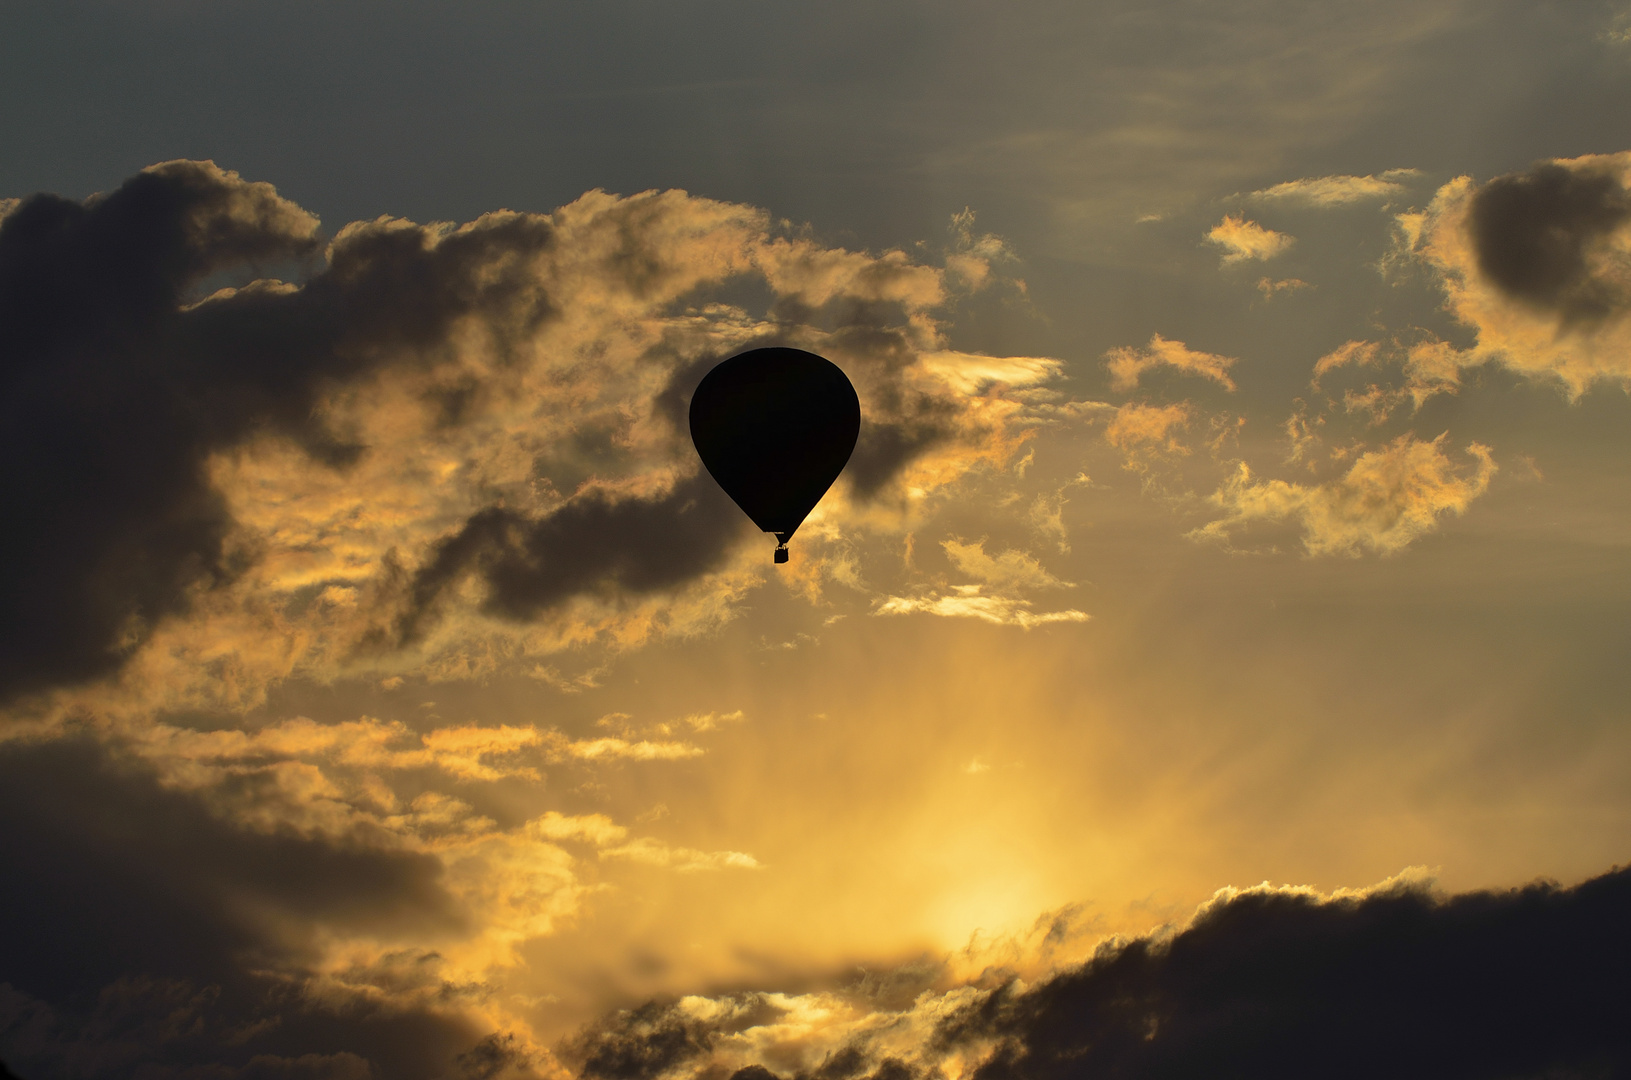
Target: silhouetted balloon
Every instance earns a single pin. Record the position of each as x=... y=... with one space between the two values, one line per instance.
x=775 y=427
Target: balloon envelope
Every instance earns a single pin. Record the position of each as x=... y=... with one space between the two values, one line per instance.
x=774 y=427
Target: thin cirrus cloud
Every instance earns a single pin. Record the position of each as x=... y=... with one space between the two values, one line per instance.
x=1247 y=241
x=1339 y=190
x=970 y=602
x=1009 y=570
x=994 y=597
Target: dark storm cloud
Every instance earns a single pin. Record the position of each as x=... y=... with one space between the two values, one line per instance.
x=146 y=936
x=901 y=423
x=884 y=449
x=1526 y=983
x=593 y=543
x=643 y=1043
x=114 y=387
x=1534 y=233
x=1266 y=984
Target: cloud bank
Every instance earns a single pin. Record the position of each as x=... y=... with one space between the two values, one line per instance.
x=1266 y=982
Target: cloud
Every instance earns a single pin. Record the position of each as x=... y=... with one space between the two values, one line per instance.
x=1326 y=191
x=1138 y=426
x=685 y=860
x=1387 y=499
x=1271 y=288
x=967 y=602
x=701 y=722
x=973 y=374
x=466 y=752
x=1543 y=237
x=1243 y=240
x=1361 y=353
x=642 y=750
x=1012 y=569
x=592 y=543
x=317 y=867
x=436 y=448
x=1395 y=979
x=1535 y=263
x=1266 y=981
x=642 y=1043
x=994 y=599
x=197 y=962
x=1128 y=363
x=121 y=523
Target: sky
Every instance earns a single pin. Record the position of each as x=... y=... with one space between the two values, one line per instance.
x=1211 y=660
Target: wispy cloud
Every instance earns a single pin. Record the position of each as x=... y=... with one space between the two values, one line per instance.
x=968 y=602
x=1012 y=569
x=1128 y=363
x=1386 y=500
x=685 y=860
x=1339 y=190
x=1137 y=426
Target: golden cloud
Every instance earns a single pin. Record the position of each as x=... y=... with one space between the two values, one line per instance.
x=1361 y=353
x=1010 y=570
x=968 y=602
x=1243 y=240
x=544 y=377
x=1387 y=499
x=1338 y=190
x=1136 y=426
x=1128 y=363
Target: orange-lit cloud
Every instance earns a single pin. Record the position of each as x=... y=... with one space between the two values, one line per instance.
x=1387 y=499
x=1243 y=240
x=969 y=602
x=1338 y=190
x=1351 y=352
x=1009 y=570
x=530 y=418
x=1128 y=363
x=1271 y=288
x=1138 y=426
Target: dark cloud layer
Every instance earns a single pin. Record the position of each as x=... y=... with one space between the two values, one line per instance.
x=1276 y=984
x=1534 y=232
x=592 y=543
x=644 y=1042
x=115 y=388
x=145 y=933
x=1267 y=984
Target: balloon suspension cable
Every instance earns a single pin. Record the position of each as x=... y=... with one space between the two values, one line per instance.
x=781 y=546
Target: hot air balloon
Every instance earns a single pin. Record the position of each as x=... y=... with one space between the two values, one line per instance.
x=774 y=427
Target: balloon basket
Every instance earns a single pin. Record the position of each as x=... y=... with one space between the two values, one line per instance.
x=781 y=553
